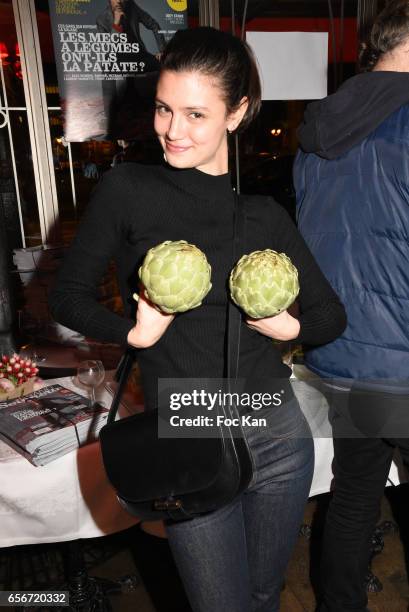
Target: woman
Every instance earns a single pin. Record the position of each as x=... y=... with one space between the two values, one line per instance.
x=233 y=559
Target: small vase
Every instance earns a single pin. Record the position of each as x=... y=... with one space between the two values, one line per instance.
x=24 y=389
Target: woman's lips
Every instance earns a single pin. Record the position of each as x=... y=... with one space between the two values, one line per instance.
x=172 y=148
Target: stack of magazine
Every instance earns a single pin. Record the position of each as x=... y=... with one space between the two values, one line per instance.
x=49 y=423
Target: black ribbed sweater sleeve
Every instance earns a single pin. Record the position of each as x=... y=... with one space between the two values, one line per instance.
x=73 y=301
x=322 y=316
x=105 y=227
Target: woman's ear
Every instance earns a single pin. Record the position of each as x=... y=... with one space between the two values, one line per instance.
x=236 y=116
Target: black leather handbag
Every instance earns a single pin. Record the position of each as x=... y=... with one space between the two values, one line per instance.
x=167 y=478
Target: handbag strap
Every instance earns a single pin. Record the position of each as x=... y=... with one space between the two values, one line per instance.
x=233 y=324
x=121 y=376
x=233 y=313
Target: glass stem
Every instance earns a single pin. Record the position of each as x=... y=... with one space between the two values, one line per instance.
x=92 y=396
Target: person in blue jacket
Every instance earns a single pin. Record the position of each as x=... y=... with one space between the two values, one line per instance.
x=352 y=182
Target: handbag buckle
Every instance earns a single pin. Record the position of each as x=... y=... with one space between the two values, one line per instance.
x=167 y=504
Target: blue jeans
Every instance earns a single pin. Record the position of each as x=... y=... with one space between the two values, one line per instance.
x=234 y=559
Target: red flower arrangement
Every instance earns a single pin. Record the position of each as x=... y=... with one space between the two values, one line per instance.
x=18 y=375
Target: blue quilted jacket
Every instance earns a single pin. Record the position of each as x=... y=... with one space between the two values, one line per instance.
x=353 y=210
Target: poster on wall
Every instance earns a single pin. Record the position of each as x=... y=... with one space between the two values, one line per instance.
x=305 y=52
x=107 y=62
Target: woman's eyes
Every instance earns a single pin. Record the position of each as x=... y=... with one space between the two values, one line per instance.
x=164 y=110
x=196 y=115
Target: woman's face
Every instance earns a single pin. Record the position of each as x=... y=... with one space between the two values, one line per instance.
x=191 y=121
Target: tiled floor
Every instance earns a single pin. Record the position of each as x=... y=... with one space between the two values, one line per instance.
x=389 y=566
x=156 y=586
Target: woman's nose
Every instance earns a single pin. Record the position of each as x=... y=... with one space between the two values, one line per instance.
x=175 y=128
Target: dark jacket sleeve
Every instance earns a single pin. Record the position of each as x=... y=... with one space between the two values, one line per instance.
x=322 y=316
x=73 y=300
x=150 y=23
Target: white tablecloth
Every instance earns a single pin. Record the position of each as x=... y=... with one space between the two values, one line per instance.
x=70 y=498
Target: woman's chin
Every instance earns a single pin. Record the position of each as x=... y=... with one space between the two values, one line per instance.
x=177 y=162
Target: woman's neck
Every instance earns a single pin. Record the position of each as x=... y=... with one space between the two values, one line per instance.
x=219 y=164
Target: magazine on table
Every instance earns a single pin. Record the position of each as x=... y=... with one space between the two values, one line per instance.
x=49 y=423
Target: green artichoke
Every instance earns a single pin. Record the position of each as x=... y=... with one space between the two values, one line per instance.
x=264 y=283
x=176 y=276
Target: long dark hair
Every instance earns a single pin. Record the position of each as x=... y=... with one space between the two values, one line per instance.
x=389 y=30
x=223 y=57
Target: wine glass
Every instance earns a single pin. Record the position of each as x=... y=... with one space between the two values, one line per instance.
x=91 y=373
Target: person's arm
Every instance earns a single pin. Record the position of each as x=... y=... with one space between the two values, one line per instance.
x=151 y=24
x=322 y=316
x=73 y=301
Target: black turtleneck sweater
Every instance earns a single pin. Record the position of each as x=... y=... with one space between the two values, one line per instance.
x=136 y=207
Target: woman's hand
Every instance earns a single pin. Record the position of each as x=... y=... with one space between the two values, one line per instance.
x=282 y=327
x=151 y=324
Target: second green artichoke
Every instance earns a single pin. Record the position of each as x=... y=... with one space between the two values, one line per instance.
x=176 y=276
x=264 y=283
